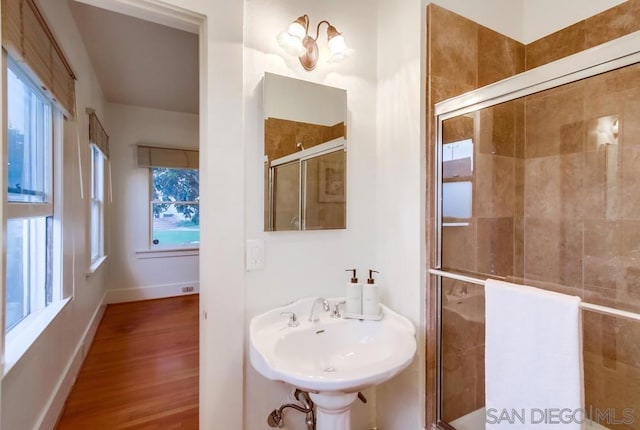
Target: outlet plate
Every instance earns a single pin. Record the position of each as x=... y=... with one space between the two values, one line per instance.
x=254 y=255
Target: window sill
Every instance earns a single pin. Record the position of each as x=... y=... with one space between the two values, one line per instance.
x=95 y=265
x=167 y=253
x=21 y=337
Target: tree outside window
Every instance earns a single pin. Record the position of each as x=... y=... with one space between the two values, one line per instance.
x=175 y=207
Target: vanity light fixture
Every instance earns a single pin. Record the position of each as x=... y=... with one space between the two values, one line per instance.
x=296 y=41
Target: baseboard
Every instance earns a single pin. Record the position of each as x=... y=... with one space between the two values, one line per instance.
x=123 y=295
x=53 y=410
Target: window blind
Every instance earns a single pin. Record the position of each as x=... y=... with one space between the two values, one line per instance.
x=28 y=39
x=175 y=158
x=97 y=135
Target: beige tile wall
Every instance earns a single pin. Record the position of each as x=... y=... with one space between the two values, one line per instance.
x=603 y=27
x=463 y=56
x=281 y=136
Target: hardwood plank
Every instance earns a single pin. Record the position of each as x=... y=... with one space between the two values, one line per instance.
x=141 y=372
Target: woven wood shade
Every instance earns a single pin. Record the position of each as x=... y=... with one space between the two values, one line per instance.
x=97 y=135
x=152 y=156
x=28 y=39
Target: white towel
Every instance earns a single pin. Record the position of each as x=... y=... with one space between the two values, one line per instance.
x=533 y=358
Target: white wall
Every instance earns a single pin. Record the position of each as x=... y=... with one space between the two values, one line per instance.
x=132 y=275
x=300 y=264
x=400 y=196
x=43 y=376
x=503 y=16
x=543 y=17
x=527 y=20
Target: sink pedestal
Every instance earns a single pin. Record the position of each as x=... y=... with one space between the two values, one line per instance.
x=333 y=410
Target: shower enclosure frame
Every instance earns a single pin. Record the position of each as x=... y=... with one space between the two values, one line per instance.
x=609 y=56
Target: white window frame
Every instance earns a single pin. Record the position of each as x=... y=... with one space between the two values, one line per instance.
x=462 y=221
x=162 y=248
x=25 y=332
x=40 y=209
x=97 y=208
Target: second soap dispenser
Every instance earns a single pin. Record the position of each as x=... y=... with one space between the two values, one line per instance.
x=371 y=297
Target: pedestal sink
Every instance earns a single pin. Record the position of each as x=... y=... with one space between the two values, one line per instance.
x=332 y=358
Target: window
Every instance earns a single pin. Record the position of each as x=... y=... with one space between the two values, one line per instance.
x=32 y=277
x=97 y=204
x=457 y=189
x=99 y=146
x=175 y=208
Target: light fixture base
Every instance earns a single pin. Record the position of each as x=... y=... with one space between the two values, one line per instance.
x=310 y=58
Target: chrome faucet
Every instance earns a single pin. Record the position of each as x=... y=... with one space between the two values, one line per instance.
x=325 y=306
x=459 y=290
x=335 y=310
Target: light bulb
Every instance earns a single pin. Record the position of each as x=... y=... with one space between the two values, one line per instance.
x=337 y=45
x=291 y=44
x=296 y=29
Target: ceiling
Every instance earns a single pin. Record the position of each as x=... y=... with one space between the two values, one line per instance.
x=139 y=62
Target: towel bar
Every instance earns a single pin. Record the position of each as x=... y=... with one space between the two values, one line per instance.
x=586 y=306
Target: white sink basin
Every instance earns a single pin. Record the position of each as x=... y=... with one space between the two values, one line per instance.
x=333 y=354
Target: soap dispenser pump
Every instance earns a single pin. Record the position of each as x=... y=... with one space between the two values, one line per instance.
x=371 y=297
x=353 y=303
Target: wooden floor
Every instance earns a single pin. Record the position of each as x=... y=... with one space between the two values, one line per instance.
x=141 y=371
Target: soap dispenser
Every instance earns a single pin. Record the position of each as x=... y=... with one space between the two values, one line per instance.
x=371 y=297
x=353 y=303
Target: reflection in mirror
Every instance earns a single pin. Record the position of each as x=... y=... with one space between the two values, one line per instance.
x=286 y=196
x=305 y=155
x=324 y=179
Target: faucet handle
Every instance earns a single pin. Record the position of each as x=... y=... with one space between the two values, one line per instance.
x=293 y=319
x=325 y=305
x=335 y=310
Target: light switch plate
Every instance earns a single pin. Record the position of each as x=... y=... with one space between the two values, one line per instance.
x=254 y=255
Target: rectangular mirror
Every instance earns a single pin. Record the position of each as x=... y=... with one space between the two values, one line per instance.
x=305 y=155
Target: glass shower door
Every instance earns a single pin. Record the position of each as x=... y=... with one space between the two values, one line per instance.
x=542 y=190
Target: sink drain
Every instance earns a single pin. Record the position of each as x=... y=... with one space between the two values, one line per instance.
x=330 y=369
